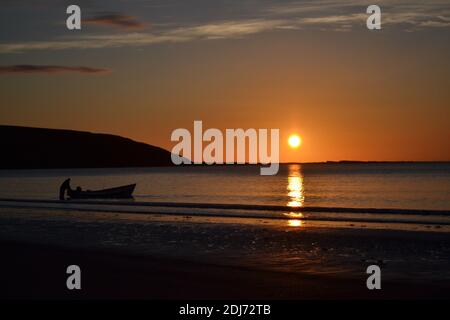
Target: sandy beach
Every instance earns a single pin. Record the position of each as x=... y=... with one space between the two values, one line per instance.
x=126 y=257
x=119 y=276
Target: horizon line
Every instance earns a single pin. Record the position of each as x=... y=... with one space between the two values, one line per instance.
x=192 y=163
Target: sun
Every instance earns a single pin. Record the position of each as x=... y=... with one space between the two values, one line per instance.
x=294 y=141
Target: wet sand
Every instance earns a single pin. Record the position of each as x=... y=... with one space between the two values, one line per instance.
x=124 y=256
x=38 y=272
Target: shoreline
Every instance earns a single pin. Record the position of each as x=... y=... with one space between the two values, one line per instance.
x=234 y=206
x=149 y=213
x=112 y=275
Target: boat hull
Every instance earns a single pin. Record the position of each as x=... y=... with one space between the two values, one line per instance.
x=123 y=192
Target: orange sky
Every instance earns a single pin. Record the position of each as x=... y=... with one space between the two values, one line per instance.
x=354 y=95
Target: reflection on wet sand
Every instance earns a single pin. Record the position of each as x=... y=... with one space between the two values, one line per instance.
x=295 y=223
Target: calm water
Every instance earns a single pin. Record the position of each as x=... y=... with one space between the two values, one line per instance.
x=411 y=186
x=288 y=244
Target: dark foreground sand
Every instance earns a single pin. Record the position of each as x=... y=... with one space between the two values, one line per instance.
x=38 y=272
x=126 y=256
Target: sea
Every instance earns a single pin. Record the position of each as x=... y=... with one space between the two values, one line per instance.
x=330 y=218
x=380 y=192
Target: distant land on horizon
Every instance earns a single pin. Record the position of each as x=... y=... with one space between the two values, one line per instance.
x=366 y=161
x=42 y=148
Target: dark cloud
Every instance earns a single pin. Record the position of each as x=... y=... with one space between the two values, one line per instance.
x=116 y=20
x=26 y=68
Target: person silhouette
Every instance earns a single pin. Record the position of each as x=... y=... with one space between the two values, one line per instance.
x=62 y=190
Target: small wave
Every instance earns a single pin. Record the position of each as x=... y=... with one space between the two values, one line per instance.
x=244 y=207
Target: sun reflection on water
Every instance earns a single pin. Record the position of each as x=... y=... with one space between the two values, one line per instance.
x=294 y=215
x=296 y=196
x=295 y=187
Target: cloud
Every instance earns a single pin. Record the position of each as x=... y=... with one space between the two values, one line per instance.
x=218 y=30
x=228 y=29
x=405 y=15
x=34 y=69
x=115 y=20
x=435 y=24
x=438 y=22
x=296 y=8
x=329 y=15
x=342 y=19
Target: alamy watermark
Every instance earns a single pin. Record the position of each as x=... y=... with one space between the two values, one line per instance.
x=374 y=280
x=373 y=22
x=74 y=279
x=73 y=21
x=190 y=148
